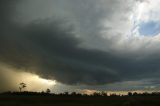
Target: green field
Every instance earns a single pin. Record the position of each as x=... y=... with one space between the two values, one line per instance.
x=46 y=100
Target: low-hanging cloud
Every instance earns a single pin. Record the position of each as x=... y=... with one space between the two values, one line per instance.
x=55 y=53
x=63 y=49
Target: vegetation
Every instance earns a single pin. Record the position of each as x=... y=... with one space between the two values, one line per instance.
x=75 y=99
x=48 y=91
x=22 y=86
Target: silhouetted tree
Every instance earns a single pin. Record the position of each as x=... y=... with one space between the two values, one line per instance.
x=96 y=94
x=48 y=91
x=22 y=86
x=73 y=93
x=66 y=93
x=130 y=94
x=135 y=93
x=103 y=93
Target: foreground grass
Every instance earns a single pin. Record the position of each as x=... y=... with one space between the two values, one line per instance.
x=49 y=100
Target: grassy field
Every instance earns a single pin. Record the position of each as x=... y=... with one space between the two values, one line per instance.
x=42 y=100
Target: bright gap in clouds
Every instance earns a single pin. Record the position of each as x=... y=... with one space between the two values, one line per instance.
x=146 y=18
x=13 y=77
x=149 y=28
x=33 y=79
x=35 y=83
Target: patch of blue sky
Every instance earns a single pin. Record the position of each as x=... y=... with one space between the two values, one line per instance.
x=150 y=28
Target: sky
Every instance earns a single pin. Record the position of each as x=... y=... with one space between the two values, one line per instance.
x=80 y=45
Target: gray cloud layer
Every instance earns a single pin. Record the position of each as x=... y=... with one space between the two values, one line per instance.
x=55 y=52
x=53 y=47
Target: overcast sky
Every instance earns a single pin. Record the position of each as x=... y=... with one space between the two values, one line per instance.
x=70 y=45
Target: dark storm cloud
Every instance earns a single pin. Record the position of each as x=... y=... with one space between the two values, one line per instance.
x=53 y=50
x=55 y=53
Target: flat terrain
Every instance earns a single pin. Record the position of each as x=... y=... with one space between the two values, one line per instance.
x=50 y=100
